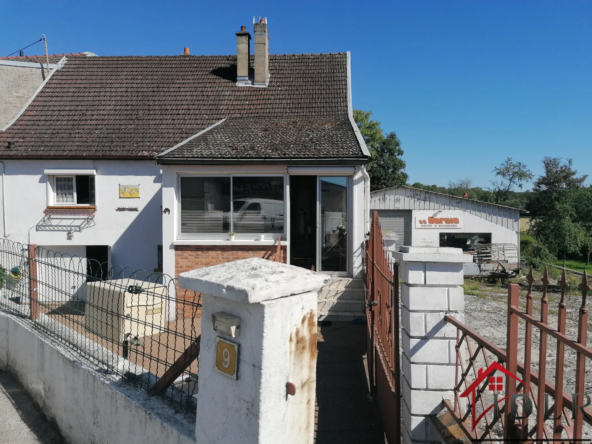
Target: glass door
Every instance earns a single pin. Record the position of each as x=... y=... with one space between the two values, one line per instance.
x=333 y=199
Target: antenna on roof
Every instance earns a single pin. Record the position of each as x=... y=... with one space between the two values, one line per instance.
x=46 y=56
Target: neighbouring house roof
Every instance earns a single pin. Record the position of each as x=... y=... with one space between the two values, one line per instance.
x=53 y=58
x=139 y=107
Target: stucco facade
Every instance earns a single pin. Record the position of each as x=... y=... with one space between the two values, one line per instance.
x=133 y=236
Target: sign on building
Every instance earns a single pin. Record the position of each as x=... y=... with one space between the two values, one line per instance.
x=440 y=222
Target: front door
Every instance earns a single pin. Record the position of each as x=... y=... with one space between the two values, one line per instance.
x=319 y=220
x=303 y=221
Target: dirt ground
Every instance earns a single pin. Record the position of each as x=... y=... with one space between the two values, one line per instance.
x=487 y=314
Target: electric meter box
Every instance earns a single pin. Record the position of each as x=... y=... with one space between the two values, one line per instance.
x=121 y=306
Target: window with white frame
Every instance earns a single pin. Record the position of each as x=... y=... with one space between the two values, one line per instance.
x=74 y=190
x=232 y=204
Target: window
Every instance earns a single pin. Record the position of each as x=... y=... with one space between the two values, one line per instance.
x=466 y=241
x=75 y=190
x=232 y=204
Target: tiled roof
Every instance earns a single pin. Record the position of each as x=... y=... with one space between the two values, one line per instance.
x=256 y=138
x=134 y=107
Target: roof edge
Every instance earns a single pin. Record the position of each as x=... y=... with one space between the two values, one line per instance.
x=37 y=91
x=353 y=161
x=180 y=144
x=350 y=110
x=521 y=210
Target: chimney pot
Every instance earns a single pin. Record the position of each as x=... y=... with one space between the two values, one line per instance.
x=243 y=29
x=261 y=20
x=186 y=52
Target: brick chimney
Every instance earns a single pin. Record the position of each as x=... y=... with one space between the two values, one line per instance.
x=243 y=55
x=261 y=53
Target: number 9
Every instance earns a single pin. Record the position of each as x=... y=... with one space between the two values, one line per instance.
x=225 y=358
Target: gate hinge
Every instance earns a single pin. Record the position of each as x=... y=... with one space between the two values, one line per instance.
x=370 y=304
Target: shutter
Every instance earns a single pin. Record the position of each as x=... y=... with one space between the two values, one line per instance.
x=398 y=222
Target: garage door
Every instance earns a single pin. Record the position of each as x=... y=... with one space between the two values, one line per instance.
x=398 y=222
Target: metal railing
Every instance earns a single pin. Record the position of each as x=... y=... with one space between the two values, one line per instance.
x=525 y=412
x=382 y=305
x=126 y=324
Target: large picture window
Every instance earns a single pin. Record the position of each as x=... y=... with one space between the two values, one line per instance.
x=243 y=205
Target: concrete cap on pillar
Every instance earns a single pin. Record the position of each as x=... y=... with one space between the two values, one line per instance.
x=432 y=254
x=252 y=280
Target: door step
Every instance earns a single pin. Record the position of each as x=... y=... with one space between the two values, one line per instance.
x=342 y=300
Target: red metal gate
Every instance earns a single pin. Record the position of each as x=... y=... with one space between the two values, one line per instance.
x=382 y=312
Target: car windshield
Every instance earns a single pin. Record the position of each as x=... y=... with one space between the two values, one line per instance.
x=238 y=204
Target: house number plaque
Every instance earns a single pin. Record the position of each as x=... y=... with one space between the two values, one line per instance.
x=227 y=358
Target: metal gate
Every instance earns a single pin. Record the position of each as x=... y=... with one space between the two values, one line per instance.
x=382 y=312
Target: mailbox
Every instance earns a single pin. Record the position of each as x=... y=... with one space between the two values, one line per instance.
x=227 y=324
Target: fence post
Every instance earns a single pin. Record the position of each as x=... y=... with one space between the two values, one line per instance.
x=257 y=364
x=430 y=290
x=33 y=293
x=512 y=354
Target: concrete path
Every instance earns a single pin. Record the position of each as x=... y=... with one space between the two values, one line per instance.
x=345 y=413
x=21 y=420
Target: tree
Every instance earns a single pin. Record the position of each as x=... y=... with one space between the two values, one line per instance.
x=561 y=222
x=385 y=167
x=558 y=176
x=512 y=174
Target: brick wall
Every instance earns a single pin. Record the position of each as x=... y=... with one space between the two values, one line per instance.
x=190 y=257
x=17 y=85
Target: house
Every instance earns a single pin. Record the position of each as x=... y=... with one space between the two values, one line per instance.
x=414 y=217
x=135 y=159
x=276 y=154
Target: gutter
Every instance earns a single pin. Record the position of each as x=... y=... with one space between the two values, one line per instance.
x=367 y=216
x=352 y=161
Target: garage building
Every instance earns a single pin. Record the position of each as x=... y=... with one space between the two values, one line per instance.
x=417 y=217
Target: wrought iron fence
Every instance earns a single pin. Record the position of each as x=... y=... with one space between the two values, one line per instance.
x=129 y=324
x=540 y=398
x=382 y=314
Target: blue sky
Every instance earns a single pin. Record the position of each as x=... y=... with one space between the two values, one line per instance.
x=463 y=83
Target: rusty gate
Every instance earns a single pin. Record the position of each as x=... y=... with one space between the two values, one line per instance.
x=563 y=419
x=382 y=311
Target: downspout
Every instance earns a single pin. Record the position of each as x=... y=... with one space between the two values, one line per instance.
x=4 y=201
x=367 y=216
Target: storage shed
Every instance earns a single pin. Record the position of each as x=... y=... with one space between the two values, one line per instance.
x=424 y=218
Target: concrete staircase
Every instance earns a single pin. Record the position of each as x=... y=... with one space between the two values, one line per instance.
x=342 y=300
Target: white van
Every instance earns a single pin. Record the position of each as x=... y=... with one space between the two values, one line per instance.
x=258 y=216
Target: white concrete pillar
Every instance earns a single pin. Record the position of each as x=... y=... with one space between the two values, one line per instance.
x=273 y=308
x=430 y=289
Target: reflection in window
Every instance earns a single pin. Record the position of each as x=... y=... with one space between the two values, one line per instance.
x=205 y=204
x=258 y=204
x=334 y=215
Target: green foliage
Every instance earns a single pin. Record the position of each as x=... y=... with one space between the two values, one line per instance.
x=512 y=174
x=3 y=276
x=386 y=167
x=527 y=244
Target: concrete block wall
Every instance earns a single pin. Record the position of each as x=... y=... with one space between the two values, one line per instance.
x=430 y=290
x=17 y=85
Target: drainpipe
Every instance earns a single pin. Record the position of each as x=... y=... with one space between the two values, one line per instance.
x=366 y=200
x=4 y=201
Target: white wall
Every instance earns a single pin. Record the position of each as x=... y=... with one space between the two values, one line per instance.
x=430 y=237
x=87 y=408
x=133 y=236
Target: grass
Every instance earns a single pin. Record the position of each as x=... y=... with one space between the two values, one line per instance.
x=524 y=223
x=574 y=264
